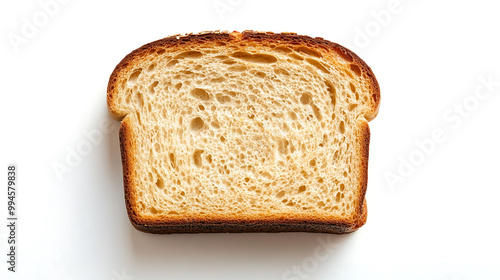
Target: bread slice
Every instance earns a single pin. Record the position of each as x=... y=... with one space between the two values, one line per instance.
x=244 y=132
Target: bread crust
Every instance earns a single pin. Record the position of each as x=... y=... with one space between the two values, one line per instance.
x=223 y=223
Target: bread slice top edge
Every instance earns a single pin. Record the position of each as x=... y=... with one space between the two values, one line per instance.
x=315 y=46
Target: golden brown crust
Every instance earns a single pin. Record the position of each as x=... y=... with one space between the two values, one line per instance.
x=364 y=145
x=214 y=223
x=127 y=148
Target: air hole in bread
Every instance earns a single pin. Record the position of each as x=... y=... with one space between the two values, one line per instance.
x=237 y=68
x=283 y=49
x=231 y=93
x=135 y=75
x=255 y=58
x=342 y=127
x=317 y=112
x=337 y=197
x=159 y=183
x=218 y=80
x=352 y=106
x=283 y=146
x=342 y=53
x=259 y=74
x=223 y=98
x=318 y=65
x=355 y=69
x=281 y=71
x=305 y=98
x=352 y=87
x=215 y=124
x=296 y=56
x=157 y=147
x=332 y=92
x=152 y=87
x=142 y=205
x=309 y=51
x=229 y=61
x=266 y=175
x=209 y=158
x=139 y=99
x=189 y=54
x=200 y=94
x=302 y=189
x=173 y=163
x=280 y=194
x=197 y=158
x=197 y=124
x=151 y=67
x=172 y=63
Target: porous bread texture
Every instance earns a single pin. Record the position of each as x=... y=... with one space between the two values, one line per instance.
x=235 y=129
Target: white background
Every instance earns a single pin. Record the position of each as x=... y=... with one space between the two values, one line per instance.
x=439 y=221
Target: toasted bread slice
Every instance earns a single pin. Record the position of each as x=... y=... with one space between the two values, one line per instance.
x=244 y=132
